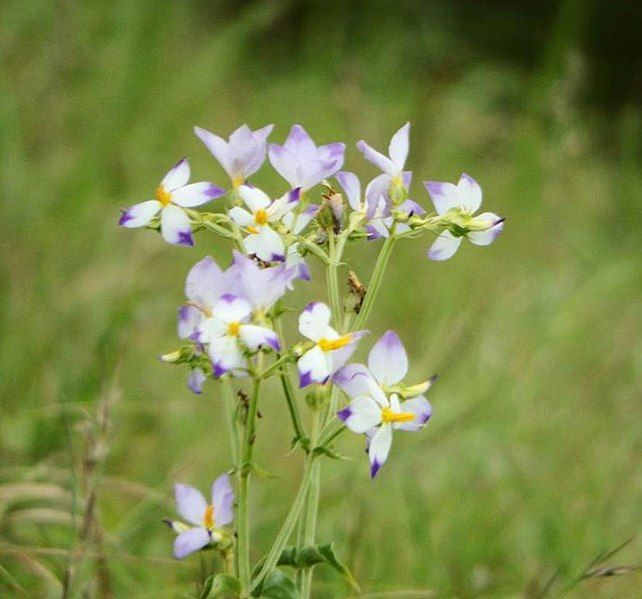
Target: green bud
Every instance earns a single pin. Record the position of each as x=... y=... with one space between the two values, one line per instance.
x=317 y=397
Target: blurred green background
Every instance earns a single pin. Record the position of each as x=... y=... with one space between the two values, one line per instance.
x=531 y=465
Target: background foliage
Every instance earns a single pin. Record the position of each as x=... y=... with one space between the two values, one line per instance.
x=530 y=467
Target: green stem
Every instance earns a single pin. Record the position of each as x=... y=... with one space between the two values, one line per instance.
x=332 y=278
x=230 y=421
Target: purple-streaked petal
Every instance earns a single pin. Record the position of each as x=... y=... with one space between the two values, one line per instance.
x=444 y=247
x=379 y=448
x=255 y=336
x=206 y=283
x=351 y=187
x=361 y=414
x=421 y=408
x=139 y=214
x=353 y=380
x=285 y=163
x=314 y=366
x=190 y=503
x=195 y=381
x=314 y=320
x=377 y=158
x=398 y=149
x=443 y=195
x=176 y=227
x=387 y=360
x=267 y=244
x=377 y=195
x=217 y=146
x=406 y=179
x=225 y=355
x=411 y=208
x=190 y=541
x=223 y=500
x=196 y=194
x=177 y=176
x=470 y=193
x=496 y=226
x=188 y=319
x=313 y=172
x=300 y=144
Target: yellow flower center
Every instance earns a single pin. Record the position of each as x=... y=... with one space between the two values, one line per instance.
x=252 y=230
x=208 y=517
x=237 y=181
x=388 y=416
x=163 y=196
x=233 y=329
x=332 y=344
x=260 y=217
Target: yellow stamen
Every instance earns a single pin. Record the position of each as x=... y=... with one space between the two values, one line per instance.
x=208 y=517
x=233 y=329
x=388 y=416
x=260 y=217
x=332 y=344
x=253 y=230
x=237 y=181
x=163 y=196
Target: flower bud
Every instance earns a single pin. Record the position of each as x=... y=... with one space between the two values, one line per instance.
x=317 y=397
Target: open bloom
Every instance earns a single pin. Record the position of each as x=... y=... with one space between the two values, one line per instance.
x=172 y=195
x=392 y=165
x=459 y=203
x=376 y=408
x=228 y=334
x=206 y=519
x=263 y=213
x=301 y=163
x=242 y=155
x=330 y=350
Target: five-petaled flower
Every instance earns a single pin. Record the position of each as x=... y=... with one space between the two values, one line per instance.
x=458 y=204
x=242 y=155
x=330 y=351
x=172 y=195
x=227 y=334
x=262 y=240
x=206 y=519
x=301 y=163
x=376 y=408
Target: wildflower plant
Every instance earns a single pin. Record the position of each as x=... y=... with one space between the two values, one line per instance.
x=231 y=326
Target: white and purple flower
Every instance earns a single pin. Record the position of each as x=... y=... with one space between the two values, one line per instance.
x=262 y=240
x=376 y=408
x=301 y=163
x=228 y=334
x=172 y=195
x=458 y=204
x=242 y=155
x=206 y=519
x=330 y=351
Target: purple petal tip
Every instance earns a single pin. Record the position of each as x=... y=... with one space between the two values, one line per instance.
x=374 y=468
x=185 y=239
x=344 y=414
x=305 y=379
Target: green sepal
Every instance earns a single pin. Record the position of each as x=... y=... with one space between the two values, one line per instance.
x=329 y=452
x=302 y=442
x=219 y=585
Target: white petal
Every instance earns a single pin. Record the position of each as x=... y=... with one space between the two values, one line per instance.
x=420 y=407
x=223 y=500
x=241 y=216
x=283 y=205
x=217 y=146
x=211 y=329
x=470 y=193
x=139 y=214
x=351 y=187
x=232 y=309
x=444 y=246
x=388 y=360
x=267 y=244
x=377 y=158
x=444 y=195
x=398 y=149
x=225 y=355
x=361 y=414
x=189 y=318
x=255 y=336
x=175 y=226
x=297 y=222
x=488 y=236
x=196 y=194
x=254 y=197
x=314 y=321
x=190 y=541
x=379 y=448
x=314 y=367
x=190 y=503
x=177 y=176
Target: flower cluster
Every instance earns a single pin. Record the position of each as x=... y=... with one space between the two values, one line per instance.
x=231 y=323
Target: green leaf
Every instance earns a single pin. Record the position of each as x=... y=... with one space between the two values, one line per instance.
x=331 y=559
x=328 y=451
x=218 y=585
x=278 y=586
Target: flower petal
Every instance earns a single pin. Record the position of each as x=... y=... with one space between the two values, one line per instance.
x=188 y=319
x=300 y=144
x=285 y=163
x=139 y=214
x=267 y=244
x=421 y=408
x=217 y=146
x=377 y=158
x=190 y=503
x=255 y=336
x=223 y=500
x=176 y=227
x=225 y=355
x=444 y=195
x=177 y=176
x=353 y=380
x=351 y=187
x=314 y=320
x=489 y=235
x=470 y=193
x=398 y=149
x=361 y=414
x=241 y=216
x=314 y=367
x=195 y=381
x=297 y=222
x=196 y=194
x=190 y=541
x=313 y=172
x=254 y=198
x=231 y=308
x=388 y=361
x=206 y=283
x=379 y=448
x=444 y=246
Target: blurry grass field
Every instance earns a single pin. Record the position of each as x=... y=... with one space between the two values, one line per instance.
x=531 y=464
